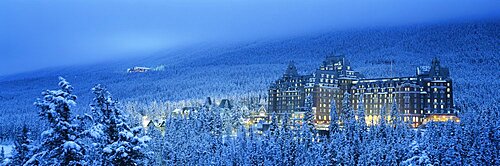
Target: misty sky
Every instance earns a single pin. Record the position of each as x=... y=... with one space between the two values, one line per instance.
x=36 y=34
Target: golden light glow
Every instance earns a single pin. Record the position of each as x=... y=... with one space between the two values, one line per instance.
x=441 y=118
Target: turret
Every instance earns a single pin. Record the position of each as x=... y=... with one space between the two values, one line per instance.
x=291 y=70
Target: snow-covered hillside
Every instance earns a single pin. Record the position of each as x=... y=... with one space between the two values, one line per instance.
x=471 y=50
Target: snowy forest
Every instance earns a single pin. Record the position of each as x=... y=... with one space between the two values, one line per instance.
x=93 y=115
x=105 y=137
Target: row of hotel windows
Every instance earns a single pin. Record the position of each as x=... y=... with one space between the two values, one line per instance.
x=436 y=90
x=287 y=86
x=288 y=98
x=375 y=119
x=339 y=67
x=378 y=106
x=367 y=100
x=327 y=76
x=288 y=94
x=437 y=83
x=288 y=102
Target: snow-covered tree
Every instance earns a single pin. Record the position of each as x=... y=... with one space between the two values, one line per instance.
x=308 y=119
x=450 y=148
x=361 y=114
x=418 y=157
x=22 y=148
x=60 y=144
x=117 y=143
x=274 y=123
x=334 y=119
x=2 y=156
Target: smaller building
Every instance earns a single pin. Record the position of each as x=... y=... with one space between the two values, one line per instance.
x=256 y=117
x=138 y=69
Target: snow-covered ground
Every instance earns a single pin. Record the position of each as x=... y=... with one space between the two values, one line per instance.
x=7 y=149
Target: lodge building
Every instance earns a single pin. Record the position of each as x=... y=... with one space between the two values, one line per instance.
x=426 y=95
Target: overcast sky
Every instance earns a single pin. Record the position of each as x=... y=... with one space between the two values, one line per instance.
x=37 y=34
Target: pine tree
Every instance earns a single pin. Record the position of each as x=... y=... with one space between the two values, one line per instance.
x=334 y=134
x=451 y=155
x=417 y=156
x=361 y=114
x=2 y=156
x=359 y=137
x=22 y=148
x=241 y=145
x=349 y=151
x=308 y=119
x=282 y=141
x=394 y=119
x=274 y=123
x=117 y=142
x=60 y=144
x=334 y=126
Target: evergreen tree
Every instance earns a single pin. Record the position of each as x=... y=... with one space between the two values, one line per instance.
x=333 y=126
x=361 y=114
x=60 y=144
x=359 y=137
x=350 y=153
x=116 y=141
x=274 y=123
x=308 y=119
x=394 y=115
x=2 y=156
x=418 y=157
x=334 y=134
x=451 y=155
x=22 y=148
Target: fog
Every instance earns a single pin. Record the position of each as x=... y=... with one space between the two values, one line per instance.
x=39 y=34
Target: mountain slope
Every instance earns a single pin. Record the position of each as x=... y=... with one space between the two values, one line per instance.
x=471 y=50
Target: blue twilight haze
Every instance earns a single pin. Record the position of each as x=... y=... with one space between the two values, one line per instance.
x=38 y=34
x=249 y=82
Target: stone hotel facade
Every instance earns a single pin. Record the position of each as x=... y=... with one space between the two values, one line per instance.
x=426 y=96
